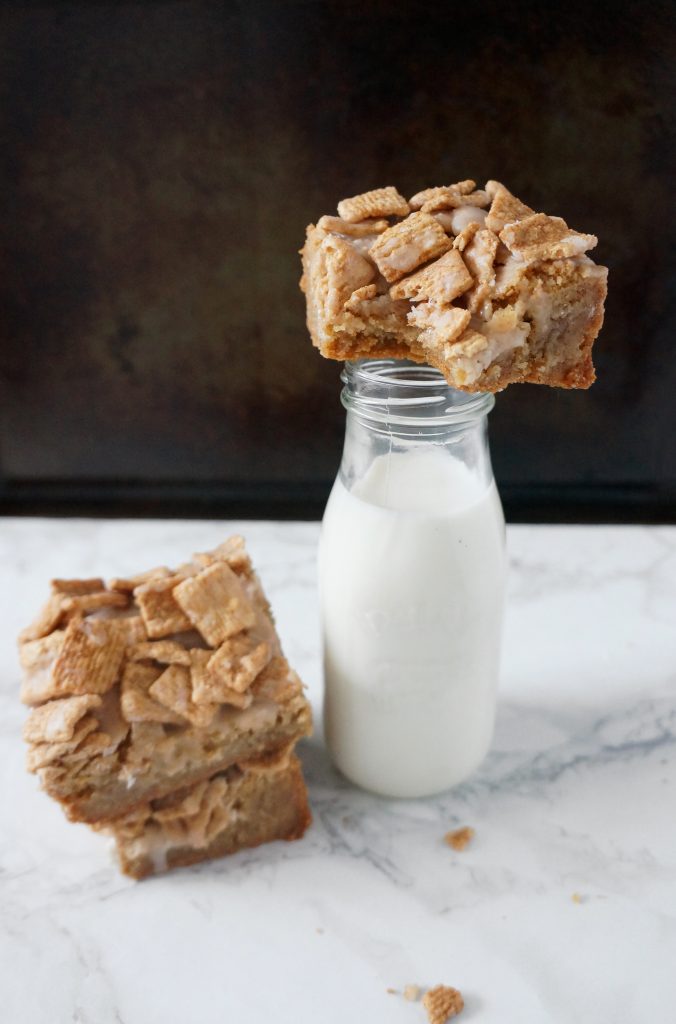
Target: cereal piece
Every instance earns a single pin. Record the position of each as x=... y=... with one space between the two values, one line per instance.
x=441 y=281
x=89 y=586
x=233 y=551
x=442 y=1003
x=545 y=238
x=448 y=199
x=480 y=257
x=356 y=301
x=161 y=614
x=505 y=208
x=167 y=652
x=135 y=703
x=91 y=602
x=443 y=197
x=239 y=660
x=216 y=603
x=37 y=658
x=506 y=327
x=96 y=745
x=89 y=660
x=380 y=202
x=131 y=628
x=49 y=617
x=358 y=230
x=55 y=721
x=438 y=326
x=173 y=689
x=471 y=356
x=195 y=565
x=461 y=241
x=460 y=188
x=405 y=246
x=130 y=583
x=40 y=755
x=476 y=351
x=508 y=276
x=42 y=652
x=464 y=187
x=63 y=606
x=460 y=838
x=412 y=993
x=345 y=271
x=139 y=677
x=207 y=687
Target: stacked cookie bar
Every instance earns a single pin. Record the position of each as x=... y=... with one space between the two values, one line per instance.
x=164 y=712
x=471 y=281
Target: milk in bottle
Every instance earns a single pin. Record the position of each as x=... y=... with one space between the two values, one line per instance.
x=412 y=576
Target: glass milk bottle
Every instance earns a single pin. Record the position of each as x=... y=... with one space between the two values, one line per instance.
x=412 y=581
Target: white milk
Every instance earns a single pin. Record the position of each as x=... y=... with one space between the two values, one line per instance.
x=412 y=572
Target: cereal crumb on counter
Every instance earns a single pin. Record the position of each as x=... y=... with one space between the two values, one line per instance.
x=460 y=838
x=442 y=1003
x=412 y=993
x=577 y=897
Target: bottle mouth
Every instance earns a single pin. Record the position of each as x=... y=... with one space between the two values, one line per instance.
x=398 y=392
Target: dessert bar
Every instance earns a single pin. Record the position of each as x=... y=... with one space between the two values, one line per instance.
x=471 y=281
x=150 y=684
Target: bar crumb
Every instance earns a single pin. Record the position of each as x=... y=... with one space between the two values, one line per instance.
x=442 y=1002
x=460 y=839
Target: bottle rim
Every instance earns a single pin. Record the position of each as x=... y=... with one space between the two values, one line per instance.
x=399 y=392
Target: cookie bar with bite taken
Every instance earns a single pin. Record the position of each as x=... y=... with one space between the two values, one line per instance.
x=471 y=281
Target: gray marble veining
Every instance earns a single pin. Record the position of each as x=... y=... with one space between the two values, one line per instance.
x=576 y=799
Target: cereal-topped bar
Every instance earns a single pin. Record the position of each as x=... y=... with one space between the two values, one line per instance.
x=243 y=806
x=150 y=687
x=471 y=281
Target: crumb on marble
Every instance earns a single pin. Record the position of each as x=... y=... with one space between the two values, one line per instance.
x=460 y=838
x=412 y=993
x=577 y=897
x=392 y=991
x=442 y=1002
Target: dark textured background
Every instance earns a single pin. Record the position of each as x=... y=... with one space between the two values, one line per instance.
x=159 y=163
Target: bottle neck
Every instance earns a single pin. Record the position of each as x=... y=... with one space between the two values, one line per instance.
x=395 y=408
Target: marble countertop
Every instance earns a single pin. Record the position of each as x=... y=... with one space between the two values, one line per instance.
x=563 y=909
